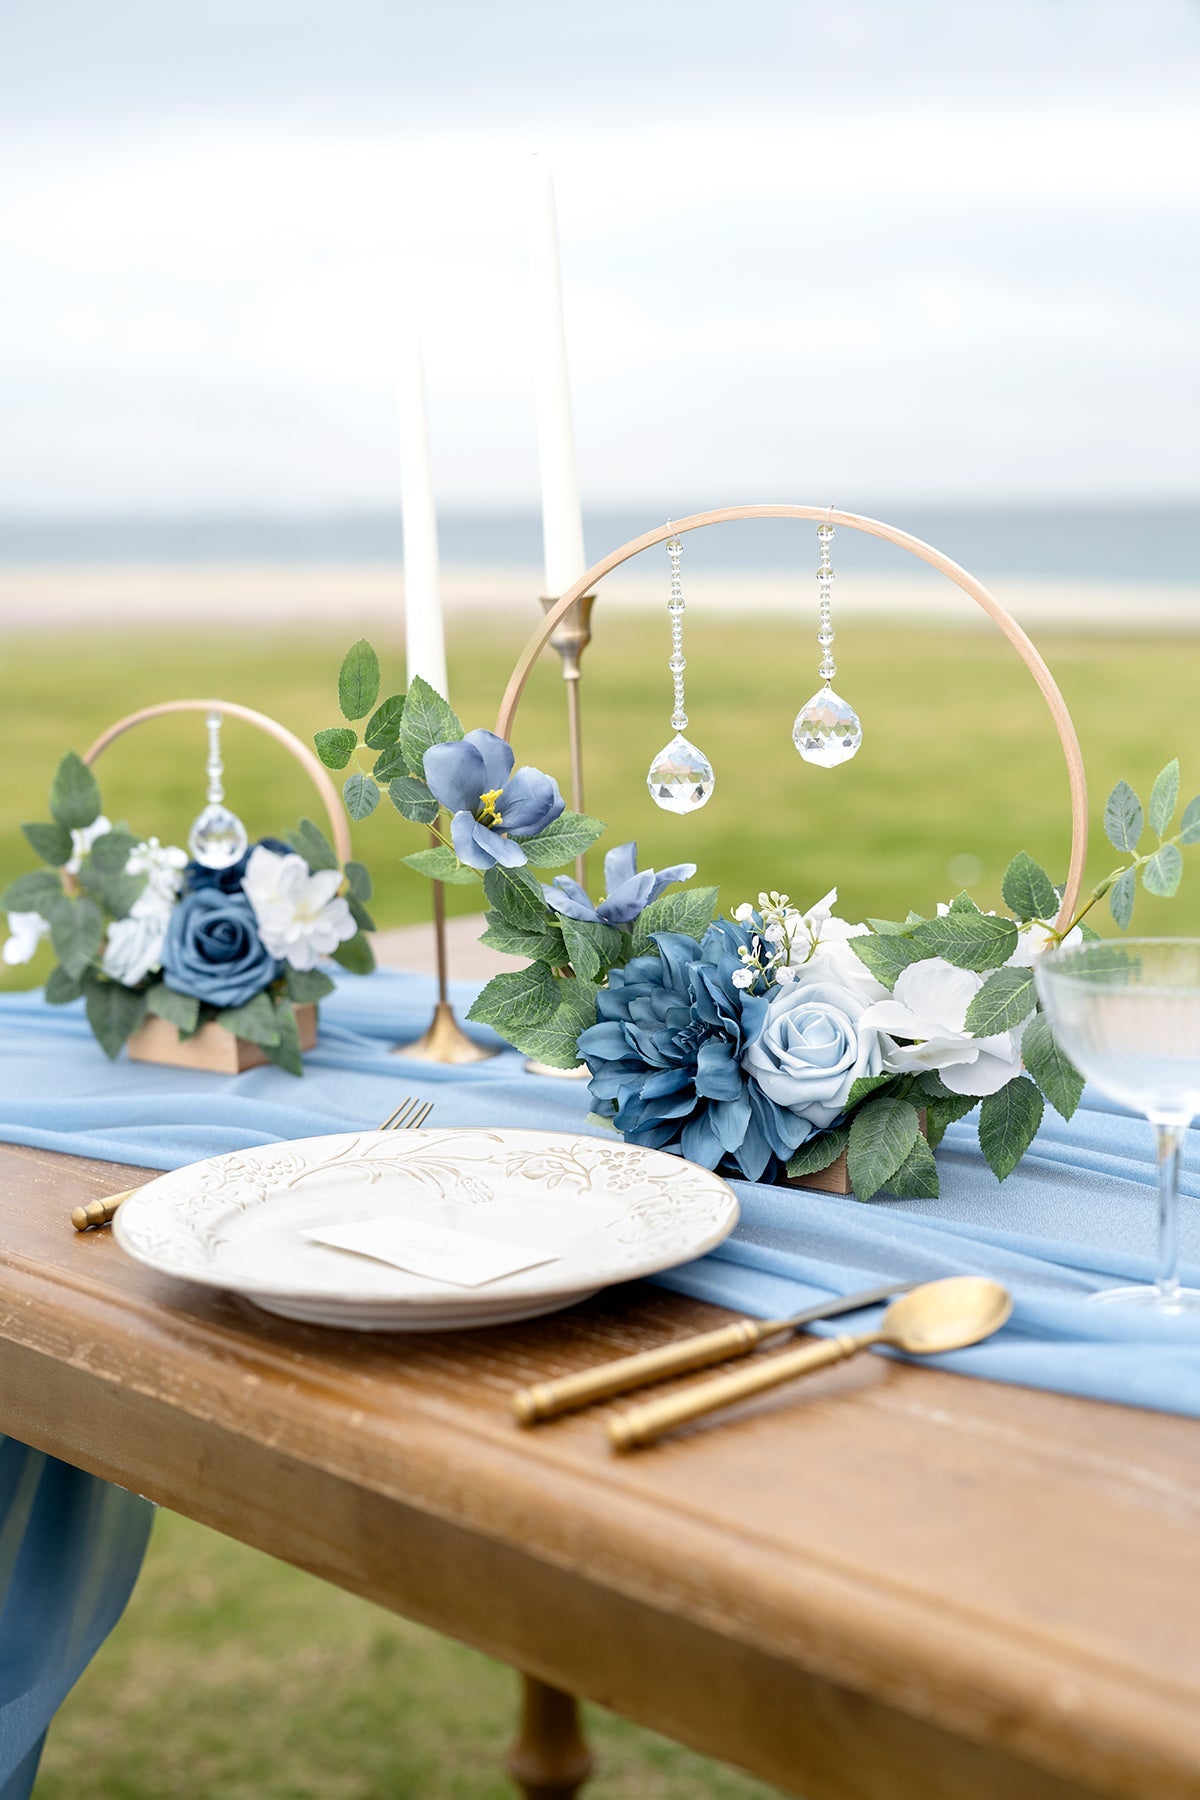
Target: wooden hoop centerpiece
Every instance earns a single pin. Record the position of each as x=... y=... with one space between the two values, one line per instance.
x=974 y=589
x=213 y=1047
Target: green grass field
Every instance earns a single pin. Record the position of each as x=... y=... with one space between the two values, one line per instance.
x=234 y=1676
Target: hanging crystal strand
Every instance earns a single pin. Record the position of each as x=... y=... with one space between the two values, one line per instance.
x=681 y=778
x=827 y=730
x=218 y=838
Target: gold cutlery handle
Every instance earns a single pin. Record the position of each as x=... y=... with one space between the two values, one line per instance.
x=550 y=1398
x=643 y=1425
x=98 y=1212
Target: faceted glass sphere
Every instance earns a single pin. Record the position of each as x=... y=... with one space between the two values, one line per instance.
x=681 y=778
x=827 y=730
x=217 y=838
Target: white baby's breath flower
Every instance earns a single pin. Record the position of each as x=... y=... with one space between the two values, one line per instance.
x=743 y=913
x=82 y=841
x=27 y=931
x=161 y=864
x=300 y=916
x=744 y=978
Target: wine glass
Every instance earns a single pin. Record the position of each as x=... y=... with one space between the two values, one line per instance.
x=1127 y=1013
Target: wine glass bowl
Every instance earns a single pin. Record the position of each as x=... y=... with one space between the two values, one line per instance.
x=1127 y=1013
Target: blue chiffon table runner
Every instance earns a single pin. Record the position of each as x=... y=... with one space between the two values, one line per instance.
x=1078 y=1215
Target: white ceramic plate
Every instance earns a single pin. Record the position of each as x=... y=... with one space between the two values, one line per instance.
x=609 y=1210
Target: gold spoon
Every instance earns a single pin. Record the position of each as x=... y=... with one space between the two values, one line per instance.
x=938 y=1316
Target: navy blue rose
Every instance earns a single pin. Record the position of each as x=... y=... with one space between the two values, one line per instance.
x=491 y=806
x=229 y=880
x=212 y=950
x=666 y=1052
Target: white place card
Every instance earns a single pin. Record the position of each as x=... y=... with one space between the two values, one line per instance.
x=458 y=1258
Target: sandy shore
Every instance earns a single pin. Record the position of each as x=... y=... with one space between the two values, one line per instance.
x=258 y=596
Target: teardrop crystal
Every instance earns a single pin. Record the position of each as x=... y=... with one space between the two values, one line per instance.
x=217 y=838
x=681 y=778
x=827 y=730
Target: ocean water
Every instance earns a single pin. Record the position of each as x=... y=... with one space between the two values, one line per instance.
x=1150 y=544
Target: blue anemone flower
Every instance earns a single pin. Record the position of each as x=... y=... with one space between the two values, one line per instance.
x=630 y=890
x=666 y=1052
x=490 y=806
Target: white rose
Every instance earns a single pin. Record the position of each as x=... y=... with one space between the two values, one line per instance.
x=929 y=1009
x=812 y=1047
x=135 y=945
x=27 y=929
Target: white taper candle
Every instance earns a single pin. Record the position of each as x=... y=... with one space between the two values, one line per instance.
x=562 y=518
x=424 y=635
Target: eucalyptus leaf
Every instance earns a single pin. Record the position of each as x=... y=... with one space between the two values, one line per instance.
x=255 y=1021
x=1189 y=825
x=62 y=988
x=336 y=746
x=358 y=912
x=359 y=877
x=441 y=864
x=358 y=681
x=40 y=891
x=969 y=940
x=383 y=727
x=1121 y=896
x=310 y=842
x=1006 y=997
x=1054 y=1073
x=361 y=795
x=111 y=851
x=180 y=1010
x=356 y=955
x=1008 y=1122
x=114 y=1014
x=77 y=930
x=819 y=1153
x=688 y=911
x=52 y=842
x=1123 y=820
x=412 y=799
x=307 y=985
x=427 y=720
x=1164 y=797
x=75 y=795
x=562 y=841
x=1028 y=890
x=285 y=1052
x=881 y=1135
x=1164 y=871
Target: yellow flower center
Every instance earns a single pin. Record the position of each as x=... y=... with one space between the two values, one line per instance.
x=487 y=814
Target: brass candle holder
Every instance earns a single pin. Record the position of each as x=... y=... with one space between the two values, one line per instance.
x=445 y=1041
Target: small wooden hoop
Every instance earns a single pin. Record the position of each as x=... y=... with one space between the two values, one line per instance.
x=303 y=755
x=976 y=591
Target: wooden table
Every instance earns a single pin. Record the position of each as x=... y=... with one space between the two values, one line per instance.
x=896 y=1582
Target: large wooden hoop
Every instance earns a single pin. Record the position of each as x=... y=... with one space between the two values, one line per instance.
x=303 y=755
x=975 y=590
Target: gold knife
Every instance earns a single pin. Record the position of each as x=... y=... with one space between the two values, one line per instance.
x=549 y=1399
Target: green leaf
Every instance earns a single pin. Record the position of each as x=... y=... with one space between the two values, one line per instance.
x=181 y=1010
x=863 y=1085
x=1164 y=797
x=412 y=799
x=591 y=948
x=305 y=985
x=115 y=892
x=916 y=1178
x=568 y=837
x=285 y=1052
x=536 y=946
x=1189 y=827
x=889 y=928
x=358 y=681
x=557 y=1043
x=255 y=1021
x=881 y=1135
x=40 y=891
x=1164 y=872
x=310 y=842
x=1121 y=896
x=887 y=956
x=74 y=797
x=1002 y=1002
x=943 y=1110
x=428 y=720
x=51 y=842
x=361 y=795
x=356 y=955
x=969 y=940
x=62 y=988
x=517 y=1002
x=1008 y=1122
x=963 y=903
x=441 y=864
x=819 y=1152
x=77 y=930
x=383 y=727
x=114 y=1014
x=359 y=877
x=389 y=765
x=360 y=915
x=517 y=897
x=110 y=852
x=1057 y=1077
x=689 y=911
x=1123 y=822
x=1028 y=890
x=336 y=746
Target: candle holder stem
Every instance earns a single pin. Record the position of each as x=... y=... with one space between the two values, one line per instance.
x=571 y=638
x=445 y=1041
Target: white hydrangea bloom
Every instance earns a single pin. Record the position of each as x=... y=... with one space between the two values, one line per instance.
x=301 y=917
x=27 y=930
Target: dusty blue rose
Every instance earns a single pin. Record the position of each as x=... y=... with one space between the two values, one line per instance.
x=630 y=891
x=491 y=807
x=808 y=1051
x=229 y=880
x=212 y=950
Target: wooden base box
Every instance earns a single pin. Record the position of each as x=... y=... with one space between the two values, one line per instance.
x=214 y=1048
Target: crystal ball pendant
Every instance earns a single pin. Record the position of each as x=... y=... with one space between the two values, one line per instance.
x=680 y=778
x=827 y=729
x=217 y=838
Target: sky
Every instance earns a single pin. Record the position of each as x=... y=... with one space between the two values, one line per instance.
x=913 y=249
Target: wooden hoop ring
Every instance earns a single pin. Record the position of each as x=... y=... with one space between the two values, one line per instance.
x=303 y=755
x=974 y=589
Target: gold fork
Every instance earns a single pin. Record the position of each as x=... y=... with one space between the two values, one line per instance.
x=410 y=1115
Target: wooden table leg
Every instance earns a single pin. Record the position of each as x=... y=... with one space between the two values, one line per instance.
x=550 y=1759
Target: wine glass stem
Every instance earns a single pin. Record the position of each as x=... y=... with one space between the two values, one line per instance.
x=1170 y=1143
